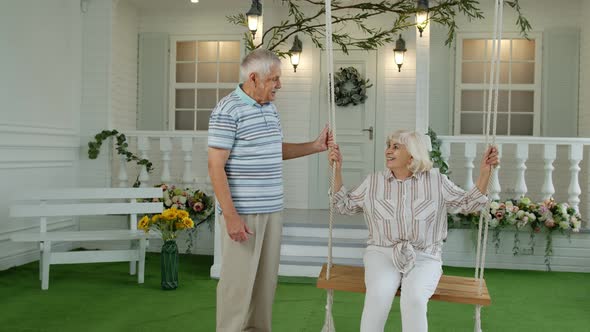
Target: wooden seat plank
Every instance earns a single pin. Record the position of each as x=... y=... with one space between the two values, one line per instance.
x=450 y=288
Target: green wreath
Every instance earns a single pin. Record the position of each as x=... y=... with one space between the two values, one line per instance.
x=349 y=87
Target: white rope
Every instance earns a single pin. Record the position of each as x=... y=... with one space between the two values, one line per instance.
x=329 y=320
x=484 y=219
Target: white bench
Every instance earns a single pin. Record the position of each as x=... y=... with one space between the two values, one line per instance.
x=87 y=202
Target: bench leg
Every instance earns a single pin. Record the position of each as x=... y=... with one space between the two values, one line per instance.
x=40 y=261
x=133 y=264
x=45 y=262
x=141 y=263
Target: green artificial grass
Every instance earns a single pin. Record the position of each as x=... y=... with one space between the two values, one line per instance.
x=103 y=297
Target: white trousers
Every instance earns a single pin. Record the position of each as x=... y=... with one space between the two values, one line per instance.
x=382 y=280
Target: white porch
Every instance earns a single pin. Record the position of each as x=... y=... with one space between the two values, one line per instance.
x=534 y=167
x=50 y=112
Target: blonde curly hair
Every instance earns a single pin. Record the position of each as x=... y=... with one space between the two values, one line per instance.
x=418 y=145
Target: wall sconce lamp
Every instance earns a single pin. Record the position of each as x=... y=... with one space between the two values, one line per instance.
x=399 y=51
x=295 y=52
x=421 y=15
x=253 y=15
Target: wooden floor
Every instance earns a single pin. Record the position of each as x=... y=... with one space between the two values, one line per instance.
x=450 y=288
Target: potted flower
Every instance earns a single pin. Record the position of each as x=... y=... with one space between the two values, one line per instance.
x=168 y=224
x=199 y=206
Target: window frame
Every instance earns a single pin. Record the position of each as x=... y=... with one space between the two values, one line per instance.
x=173 y=85
x=535 y=87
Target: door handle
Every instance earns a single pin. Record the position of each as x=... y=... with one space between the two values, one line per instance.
x=370 y=130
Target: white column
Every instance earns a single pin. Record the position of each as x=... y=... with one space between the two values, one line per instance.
x=186 y=145
x=574 y=190
x=143 y=145
x=422 y=79
x=549 y=155
x=165 y=148
x=522 y=154
x=494 y=185
x=470 y=149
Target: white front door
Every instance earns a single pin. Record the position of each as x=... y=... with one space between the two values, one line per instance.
x=355 y=125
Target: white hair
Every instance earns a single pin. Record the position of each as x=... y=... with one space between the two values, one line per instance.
x=418 y=146
x=260 y=61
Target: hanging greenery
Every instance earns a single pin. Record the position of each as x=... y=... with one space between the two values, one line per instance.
x=307 y=17
x=350 y=87
x=122 y=145
x=436 y=155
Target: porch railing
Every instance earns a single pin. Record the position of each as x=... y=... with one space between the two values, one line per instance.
x=543 y=161
x=538 y=167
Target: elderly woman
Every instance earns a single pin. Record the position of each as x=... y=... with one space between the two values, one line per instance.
x=405 y=208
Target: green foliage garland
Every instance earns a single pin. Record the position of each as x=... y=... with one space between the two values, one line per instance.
x=122 y=145
x=435 y=154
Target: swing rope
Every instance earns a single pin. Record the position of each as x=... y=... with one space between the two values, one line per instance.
x=329 y=320
x=491 y=120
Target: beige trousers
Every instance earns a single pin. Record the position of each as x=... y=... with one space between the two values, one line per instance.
x=248 y=279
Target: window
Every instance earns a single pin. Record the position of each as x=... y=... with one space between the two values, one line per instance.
x=202 y=72
x=519 y=85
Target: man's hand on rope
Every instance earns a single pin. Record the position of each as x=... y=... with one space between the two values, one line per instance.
x=324 y=140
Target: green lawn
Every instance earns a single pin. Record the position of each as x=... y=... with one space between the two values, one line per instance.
x=103 y=297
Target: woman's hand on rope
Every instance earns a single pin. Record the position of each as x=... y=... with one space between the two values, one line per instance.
x=489 y=160
x=335 y=157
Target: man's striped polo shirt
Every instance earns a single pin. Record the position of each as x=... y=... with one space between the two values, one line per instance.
x=255 y=166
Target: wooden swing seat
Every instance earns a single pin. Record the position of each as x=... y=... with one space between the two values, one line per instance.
x=450 y=288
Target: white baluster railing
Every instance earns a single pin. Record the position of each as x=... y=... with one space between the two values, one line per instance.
x=143 y=145
x=574 y=190
x=186 y=145
x=522 y=154
x=165 y=149
x=550 y=179
x=122 y=177
x=549 y=155
x=163 y=145
x=494 y=184
x=542 y=160
x=470 y=149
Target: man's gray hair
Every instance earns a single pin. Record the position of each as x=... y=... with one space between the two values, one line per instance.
x=259 y=61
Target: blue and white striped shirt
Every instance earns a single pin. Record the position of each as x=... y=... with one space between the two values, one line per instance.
x=255 y=165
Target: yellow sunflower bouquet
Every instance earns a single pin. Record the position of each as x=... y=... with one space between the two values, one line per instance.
x=168 y=223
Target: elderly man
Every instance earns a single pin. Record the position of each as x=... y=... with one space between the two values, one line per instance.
x=246 y=152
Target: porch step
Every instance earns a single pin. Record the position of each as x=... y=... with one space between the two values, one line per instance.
x=305 y=247
x=322 y=230
x=305 y=266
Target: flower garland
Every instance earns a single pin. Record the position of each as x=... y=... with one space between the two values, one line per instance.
x=349 y=87
x=521 y=214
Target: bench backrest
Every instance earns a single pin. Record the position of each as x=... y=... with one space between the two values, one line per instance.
x=87 y=202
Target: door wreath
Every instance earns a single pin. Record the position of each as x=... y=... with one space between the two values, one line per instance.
x=350 y=87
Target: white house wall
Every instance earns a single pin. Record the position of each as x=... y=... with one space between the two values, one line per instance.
x=40 y=92
x=95 y=112
x=124 y=74
x=584 y=95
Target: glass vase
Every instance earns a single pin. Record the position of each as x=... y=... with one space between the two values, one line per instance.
x=169 y=265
